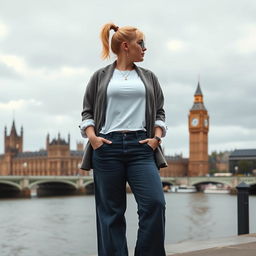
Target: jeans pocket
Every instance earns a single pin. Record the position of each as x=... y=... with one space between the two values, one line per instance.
x=100 y=147
x=148 y=146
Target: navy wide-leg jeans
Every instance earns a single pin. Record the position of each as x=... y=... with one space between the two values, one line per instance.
x=126 y=160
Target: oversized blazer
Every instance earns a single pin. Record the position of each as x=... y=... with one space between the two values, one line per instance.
x=94 y=107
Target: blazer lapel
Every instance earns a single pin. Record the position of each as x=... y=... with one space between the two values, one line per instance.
x=107 y=73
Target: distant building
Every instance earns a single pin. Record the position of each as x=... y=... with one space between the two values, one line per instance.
x=198 y=162
x=56 y=159
x=219 y=161
x=243 y=161
x=177 y=167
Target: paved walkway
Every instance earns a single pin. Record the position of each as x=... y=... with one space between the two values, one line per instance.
x=230 y=246
x=244 y=245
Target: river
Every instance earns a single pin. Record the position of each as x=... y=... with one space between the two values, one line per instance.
x=65 y=226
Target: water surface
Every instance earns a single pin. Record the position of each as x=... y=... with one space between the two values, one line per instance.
x=65 y=226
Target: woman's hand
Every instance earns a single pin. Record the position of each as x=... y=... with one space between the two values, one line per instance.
x=97 y=142
x=153 y=143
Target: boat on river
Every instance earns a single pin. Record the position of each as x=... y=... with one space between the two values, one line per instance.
x=216 y=189
x=183 y=189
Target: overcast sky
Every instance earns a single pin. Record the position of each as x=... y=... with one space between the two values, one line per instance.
x=49 y=50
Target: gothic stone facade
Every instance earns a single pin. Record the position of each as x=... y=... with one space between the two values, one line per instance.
x=56 y=159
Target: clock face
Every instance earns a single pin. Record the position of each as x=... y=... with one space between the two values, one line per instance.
x=194 y=121
x=205 y=122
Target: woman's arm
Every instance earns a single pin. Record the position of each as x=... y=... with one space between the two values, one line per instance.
x=88 y=105
x=95 y=141
x=160 y=113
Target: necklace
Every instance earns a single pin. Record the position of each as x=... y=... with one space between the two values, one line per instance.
x=125 y=74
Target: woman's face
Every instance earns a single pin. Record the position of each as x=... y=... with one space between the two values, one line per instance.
x=136 y=49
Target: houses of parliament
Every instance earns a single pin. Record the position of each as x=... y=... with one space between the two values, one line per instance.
x=58 y=159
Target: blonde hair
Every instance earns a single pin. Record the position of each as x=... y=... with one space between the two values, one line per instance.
x=122 y=34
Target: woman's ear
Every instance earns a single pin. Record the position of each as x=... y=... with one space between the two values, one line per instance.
x=125 y=46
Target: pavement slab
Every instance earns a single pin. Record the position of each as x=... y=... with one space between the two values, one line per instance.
x=244 y=245
x=234 y=250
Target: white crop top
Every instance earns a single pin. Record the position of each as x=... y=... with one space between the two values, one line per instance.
x=126 y=103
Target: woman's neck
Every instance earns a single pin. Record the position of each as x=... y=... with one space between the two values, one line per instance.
x=124 y=64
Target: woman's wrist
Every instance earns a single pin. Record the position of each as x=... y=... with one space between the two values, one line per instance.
x=90 y=133
x=158 y=139
x=158 y=132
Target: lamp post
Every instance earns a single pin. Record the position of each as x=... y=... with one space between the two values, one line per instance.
x=236 y=170
x=25 y=164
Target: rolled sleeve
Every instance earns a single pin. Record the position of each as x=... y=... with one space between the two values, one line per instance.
x=84 y=124
x=162 y=125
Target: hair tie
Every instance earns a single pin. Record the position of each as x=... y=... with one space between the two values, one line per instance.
x=116 y=28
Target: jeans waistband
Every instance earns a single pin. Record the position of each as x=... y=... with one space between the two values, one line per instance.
x=124 y=133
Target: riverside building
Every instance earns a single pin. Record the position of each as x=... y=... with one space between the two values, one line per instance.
x=56 y=159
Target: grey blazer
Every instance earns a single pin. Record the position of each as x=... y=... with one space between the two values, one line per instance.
x=94 y=107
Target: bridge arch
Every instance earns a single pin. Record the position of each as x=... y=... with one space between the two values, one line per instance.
x=38 y=182
x=87 y=183
x=89 y=187
x=10 y=183
x=196 y=183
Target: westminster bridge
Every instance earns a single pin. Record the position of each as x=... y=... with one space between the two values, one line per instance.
x=25 y=186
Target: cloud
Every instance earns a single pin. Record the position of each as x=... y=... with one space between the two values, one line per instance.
x=20 y=66
x=176 y=45
x=16 y=63
x=7 y=72
x=231 y=137
x=4 y=30
x=66 y=72
x=20 y=104
x=247 y=44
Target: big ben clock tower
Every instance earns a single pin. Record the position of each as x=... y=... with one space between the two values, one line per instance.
x=198 y=136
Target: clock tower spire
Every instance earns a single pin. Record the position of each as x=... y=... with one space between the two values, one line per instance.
x=198 y=136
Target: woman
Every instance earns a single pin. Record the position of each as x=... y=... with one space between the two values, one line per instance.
x=123 y=118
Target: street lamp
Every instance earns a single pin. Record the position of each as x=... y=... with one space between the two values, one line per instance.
x=236 y=169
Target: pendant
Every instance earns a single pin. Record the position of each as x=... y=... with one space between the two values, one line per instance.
x=126 y=78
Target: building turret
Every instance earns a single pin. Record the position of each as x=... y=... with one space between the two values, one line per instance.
x=69 y=138
x=13 y=143
x=198 y=99
x=21 y=131
x=58 y=146
x=47 y=140
x=13 y=129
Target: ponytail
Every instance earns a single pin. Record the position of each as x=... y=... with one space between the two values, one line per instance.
x=105 y=39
